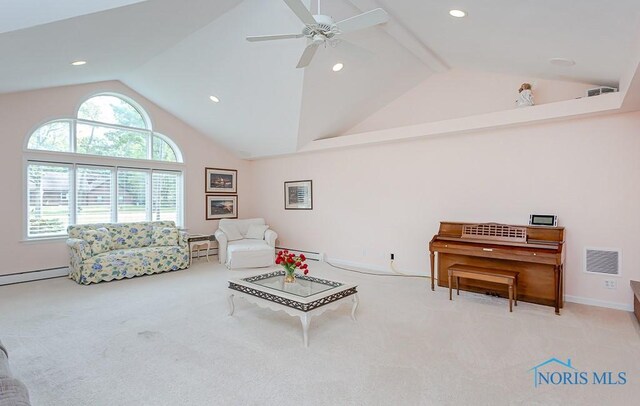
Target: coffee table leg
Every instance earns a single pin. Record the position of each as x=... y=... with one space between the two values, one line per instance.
x=231 y=306
x=355 y=306
x=305 y=320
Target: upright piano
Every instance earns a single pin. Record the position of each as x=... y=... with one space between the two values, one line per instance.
x=536 y=252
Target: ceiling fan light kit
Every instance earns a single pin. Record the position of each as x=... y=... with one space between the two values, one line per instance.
x=321 y=29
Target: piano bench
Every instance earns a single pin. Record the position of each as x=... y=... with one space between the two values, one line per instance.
x=509 y=278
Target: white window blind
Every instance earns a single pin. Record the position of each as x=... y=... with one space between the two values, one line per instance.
x=133 y=192
x=48 y=199
x=166 y=196
x=94 y=195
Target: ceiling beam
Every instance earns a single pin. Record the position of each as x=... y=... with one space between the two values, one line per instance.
x=405 y=37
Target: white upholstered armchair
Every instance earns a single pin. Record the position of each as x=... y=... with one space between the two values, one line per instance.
x=247 y=243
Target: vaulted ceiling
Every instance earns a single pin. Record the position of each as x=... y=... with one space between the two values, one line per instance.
x=178 y=53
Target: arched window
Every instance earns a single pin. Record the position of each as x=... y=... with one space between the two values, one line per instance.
x=106 y=125
x=98 y=174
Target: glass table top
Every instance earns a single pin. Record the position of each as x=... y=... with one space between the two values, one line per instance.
x=304 y=286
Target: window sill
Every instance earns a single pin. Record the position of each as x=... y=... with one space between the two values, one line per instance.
x=44 y=239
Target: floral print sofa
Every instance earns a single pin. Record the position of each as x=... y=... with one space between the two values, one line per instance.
x=103 y=252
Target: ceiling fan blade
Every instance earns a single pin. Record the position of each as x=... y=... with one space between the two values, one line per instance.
x=301 y=11
x=364 y=20
x=308 y=54
x=256 y=38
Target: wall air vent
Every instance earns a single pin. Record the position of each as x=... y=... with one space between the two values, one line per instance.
x=601 y=90
x=602 y=261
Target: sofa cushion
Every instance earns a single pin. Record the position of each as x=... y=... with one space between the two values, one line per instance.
x=99 y=240
x=163 y=236
x=256 y=231
x=130 y=262
x=231 y=231
x=131 y=235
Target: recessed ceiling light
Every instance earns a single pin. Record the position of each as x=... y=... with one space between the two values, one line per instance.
x=78 y=63
x=338 y=67
x=562 y=61
x=457 y=13
x=214 y=99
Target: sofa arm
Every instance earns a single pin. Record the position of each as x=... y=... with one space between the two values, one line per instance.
x=221 y=238
x=270 y=237
x=79 y=248
x=183 y=239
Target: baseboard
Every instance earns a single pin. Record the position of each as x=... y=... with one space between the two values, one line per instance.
x=30 y=276
x=314 y=256
x=358 y=265
x=568 y=298
x=599 y=303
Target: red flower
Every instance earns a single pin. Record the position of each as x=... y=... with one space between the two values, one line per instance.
x=279 y=252
x=290 y=260
x=285 y=251
x=306 y=271
x=298 y=263
x=302 y=257
x=278 y=260
x=304 y=266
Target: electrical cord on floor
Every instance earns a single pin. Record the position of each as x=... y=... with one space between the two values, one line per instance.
x=396 y=274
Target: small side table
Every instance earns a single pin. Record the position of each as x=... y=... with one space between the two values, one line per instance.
x=198 y=242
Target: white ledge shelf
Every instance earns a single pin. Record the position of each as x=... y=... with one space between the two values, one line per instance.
x=543 y=113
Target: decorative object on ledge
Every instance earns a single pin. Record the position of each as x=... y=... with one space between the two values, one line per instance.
x=525 y=96
x=298 y=195
x=221 y=207
x=220 y=180
x=290 y=262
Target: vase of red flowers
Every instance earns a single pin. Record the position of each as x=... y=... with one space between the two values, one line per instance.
x=290 y=262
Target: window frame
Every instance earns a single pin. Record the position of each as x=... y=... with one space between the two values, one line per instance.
x=75 y=160
x=73 y=140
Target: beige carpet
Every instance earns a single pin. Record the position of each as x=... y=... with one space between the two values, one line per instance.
x=167 y=340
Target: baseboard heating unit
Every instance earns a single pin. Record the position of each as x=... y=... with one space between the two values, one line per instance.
x=36 y=275
x=314 y=256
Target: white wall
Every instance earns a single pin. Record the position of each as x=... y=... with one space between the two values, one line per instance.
x=21 y=113
x=372 y=201
x=459 y=93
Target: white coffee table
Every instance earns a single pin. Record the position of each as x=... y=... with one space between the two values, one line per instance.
x=304 y=298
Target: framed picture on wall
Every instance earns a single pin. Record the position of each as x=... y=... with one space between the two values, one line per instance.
x=298 y=195
x=221 y=207
x=220 y=180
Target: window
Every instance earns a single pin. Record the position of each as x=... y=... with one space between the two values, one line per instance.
x=48 y=199
x=112 y=110
x=133 y=190
x=94 y=195
x=80 y=187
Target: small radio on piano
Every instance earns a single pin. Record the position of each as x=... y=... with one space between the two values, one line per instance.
x=536 y=252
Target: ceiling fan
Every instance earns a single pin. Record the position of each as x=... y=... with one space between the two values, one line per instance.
x=321 y=29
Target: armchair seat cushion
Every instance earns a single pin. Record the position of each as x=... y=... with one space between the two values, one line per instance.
x=249 y=254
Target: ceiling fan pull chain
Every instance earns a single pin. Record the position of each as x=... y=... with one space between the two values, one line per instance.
x=319 y=7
